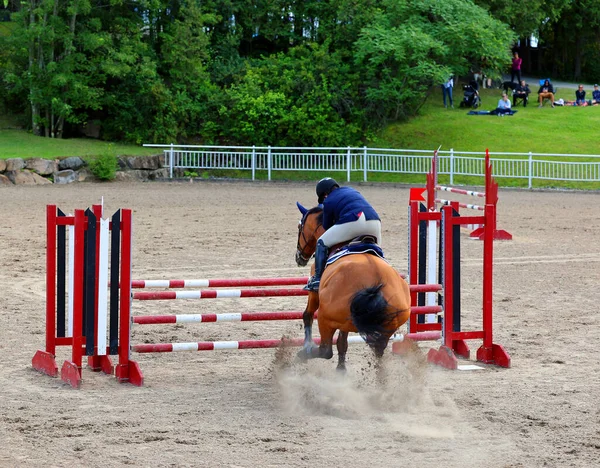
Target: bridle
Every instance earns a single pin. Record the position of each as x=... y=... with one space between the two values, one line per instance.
x=300 y=251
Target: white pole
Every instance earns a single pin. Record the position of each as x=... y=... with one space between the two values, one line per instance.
x=530 y=170
x=451 y=166
x=103 y=287
x=431 y=267
x=269 y=162
x=253 y=161
x=71 y=279
x=348 y=163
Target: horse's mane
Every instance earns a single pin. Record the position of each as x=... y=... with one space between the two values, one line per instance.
x=317 y=209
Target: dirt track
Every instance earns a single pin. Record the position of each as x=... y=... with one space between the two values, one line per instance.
x=246 y=408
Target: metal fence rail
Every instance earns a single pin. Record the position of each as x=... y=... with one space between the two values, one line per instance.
x=530 y=166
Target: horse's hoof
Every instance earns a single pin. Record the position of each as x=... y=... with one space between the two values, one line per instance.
x=341 y=369
x=308 y=352
x=302 y=355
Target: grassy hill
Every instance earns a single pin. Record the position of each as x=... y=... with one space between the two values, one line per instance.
x=17 y=143
x=564 y=130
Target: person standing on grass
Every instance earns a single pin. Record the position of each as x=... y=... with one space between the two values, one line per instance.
x=515 y=70
x=447 y=91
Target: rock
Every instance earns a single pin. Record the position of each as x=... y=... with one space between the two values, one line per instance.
x=145 y=162
x=65 y=177
x=2 y=165
x=5 y=180
x=41 y=166
x=85 y=174
x=162 y=173
x=21 y=177
x=14 y=164
x=39 y=180
x=73 y=162
x=131 y=175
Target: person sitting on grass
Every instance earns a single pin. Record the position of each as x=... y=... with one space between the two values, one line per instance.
x=595 y=96
x=503 y=106
x=546 y=91
x=580 y=97
x=522 y=92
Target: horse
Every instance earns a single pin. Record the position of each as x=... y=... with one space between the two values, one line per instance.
x=360 y=293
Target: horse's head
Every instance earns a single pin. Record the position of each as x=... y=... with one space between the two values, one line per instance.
x=310 y=228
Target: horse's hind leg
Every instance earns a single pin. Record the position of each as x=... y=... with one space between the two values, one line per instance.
x=325 y=350
x=342 y=348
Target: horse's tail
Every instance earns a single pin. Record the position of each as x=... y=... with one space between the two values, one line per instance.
x=372 y=317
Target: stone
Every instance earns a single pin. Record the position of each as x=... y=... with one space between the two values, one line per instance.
x=21 y=177
x=39 y=180
x=144 y=162
x=85 y=174
x=5 y=180
x=122 y=176
x=41 y=166
x=2 y=165
x=65 y=177
x=73 y=162
x=162 y=173
x=14 y=164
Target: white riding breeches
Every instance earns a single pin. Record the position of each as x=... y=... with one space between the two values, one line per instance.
x=348 y=231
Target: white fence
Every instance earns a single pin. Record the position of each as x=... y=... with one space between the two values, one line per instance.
x=530 y=166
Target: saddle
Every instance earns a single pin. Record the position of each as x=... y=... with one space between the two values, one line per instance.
x=365 y=244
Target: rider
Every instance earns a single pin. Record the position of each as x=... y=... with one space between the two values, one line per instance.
x=346 y=215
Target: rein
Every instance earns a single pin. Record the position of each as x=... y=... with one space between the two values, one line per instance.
x=301 y=233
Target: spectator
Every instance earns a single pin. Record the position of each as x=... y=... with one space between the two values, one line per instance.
x=580 y=97
x=447 y=92
x=516 y=68
x=503 y=106
x=522 y=92
x=595 y=96
x=546 y=91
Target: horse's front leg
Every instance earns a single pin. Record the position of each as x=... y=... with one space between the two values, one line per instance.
x=342 y=348
x=308 y=319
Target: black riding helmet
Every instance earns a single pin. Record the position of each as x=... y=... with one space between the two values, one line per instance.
x=324 y=187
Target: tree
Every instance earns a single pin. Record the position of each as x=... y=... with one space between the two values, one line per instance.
x=413 y=45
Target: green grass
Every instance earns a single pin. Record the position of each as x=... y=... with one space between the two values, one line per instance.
x=15 y=143
x=564 y=130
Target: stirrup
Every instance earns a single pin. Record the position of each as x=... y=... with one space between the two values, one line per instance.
x=313 y=284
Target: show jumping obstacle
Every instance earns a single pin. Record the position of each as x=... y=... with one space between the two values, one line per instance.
x=490 y=195
x=95 y=318
x=423 y=226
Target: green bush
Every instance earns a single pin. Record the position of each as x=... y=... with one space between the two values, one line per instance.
x=104 y=166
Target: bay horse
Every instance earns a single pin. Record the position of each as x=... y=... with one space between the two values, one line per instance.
x=358 y=293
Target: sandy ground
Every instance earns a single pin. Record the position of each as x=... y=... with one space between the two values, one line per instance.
x=258 y=408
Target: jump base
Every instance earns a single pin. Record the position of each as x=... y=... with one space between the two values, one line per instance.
x=100 y=364
x=443 y=357
x=499 y=234
x=131 y=373
x=71 y=374
x=495 y=355
x=45 y=362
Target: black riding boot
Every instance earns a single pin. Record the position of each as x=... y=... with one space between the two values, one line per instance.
x=320 y=260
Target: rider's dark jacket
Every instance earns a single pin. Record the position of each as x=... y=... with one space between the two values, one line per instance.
x=344 y=205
